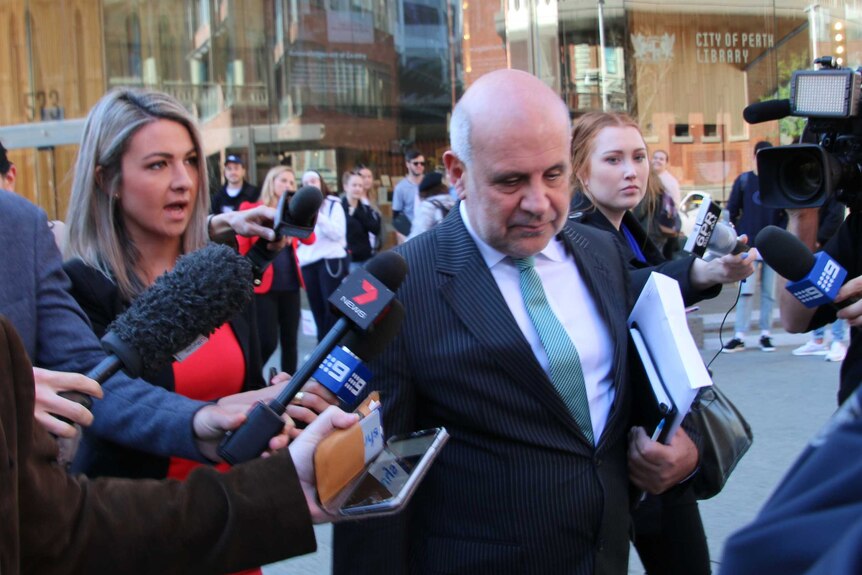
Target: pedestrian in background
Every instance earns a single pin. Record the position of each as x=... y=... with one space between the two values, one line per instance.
x=749 y=216
x=236 y=190
x=435 y=205
x=325 y=262
x=363 y=221
x=405 y=197
x=277 y=296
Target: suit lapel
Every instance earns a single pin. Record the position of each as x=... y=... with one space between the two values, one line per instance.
x=611 y=300
x=473 y=294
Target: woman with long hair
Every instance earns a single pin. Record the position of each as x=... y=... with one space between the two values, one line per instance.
x=139 y=201
x=363 y=221
x=325 y=262
x=277 y=296
x=611 y=172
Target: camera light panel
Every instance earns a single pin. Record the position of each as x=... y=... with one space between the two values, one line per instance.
x=825 y=93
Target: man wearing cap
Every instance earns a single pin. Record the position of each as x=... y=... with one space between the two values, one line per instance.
x=235 y=190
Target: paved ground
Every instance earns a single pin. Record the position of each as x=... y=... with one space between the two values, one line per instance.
x=784 y=398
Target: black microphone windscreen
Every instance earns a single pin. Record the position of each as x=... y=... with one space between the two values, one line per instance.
x=204 y=290
x=766 y=111
x=784 y=252
x=367 y=345
x=388 y=267
x=304 y=205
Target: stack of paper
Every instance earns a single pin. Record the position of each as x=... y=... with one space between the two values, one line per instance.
x=659 y=316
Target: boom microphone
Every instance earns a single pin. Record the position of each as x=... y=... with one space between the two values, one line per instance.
x=362 y=297
x=295 y=218
x=205 y=289
x=766 y=111
x=813 y=279
x=712 y=238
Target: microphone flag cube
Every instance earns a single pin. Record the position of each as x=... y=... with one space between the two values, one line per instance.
x=343 y=374
x=361 y=297
x=821 y=284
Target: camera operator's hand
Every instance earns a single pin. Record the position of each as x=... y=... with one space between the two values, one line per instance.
x=852 y=290
x=803 y=223
x=795 y=317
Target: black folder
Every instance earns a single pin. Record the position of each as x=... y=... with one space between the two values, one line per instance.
x=653 y=407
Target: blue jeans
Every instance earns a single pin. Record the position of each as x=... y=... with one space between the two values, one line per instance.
x=837 y=330
x=767 y=298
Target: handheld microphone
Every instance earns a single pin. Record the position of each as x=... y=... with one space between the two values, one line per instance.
x=362 y=297
x=294 y=218
x=766 y=111
x=205 y=289
x=712 y=238
x=343 y=372
x=813 y=279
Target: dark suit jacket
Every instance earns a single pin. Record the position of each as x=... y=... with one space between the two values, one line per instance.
x=811 y=523
x=100 y=299
x=518 y=489
x=57 y=336
x=211 y=523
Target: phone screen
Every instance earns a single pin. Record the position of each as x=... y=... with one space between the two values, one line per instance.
x=393 y=475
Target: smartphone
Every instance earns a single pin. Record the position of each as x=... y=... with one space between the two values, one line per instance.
x=390 y=479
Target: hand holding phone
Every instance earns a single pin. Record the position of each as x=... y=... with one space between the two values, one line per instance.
x=388 y=482
x=360 y=476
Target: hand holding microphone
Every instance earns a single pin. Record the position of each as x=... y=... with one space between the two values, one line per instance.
x=340 y=379
x=52 y=408
x=362 y=298
x=205 y=289
x=294 y=218
x=711 y=238
x=813 y=279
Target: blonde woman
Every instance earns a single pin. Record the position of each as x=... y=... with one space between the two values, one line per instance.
x=277 y=296
x=139 y=201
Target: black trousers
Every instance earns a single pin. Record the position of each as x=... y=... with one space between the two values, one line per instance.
x=321 y=278
x=669 y=535
x=278 y=322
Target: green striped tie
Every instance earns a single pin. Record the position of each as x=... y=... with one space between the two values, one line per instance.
x=565 y=363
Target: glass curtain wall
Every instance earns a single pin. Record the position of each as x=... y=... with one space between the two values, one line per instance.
x=327 y=84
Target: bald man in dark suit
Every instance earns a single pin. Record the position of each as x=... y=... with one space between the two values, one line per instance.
x=530 y=481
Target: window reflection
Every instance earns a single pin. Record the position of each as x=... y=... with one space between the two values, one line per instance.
x=361 y=80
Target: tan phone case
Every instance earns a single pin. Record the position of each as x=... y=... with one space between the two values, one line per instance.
x=341 y=456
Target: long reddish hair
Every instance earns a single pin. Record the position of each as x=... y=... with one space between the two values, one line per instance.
x=584 y=133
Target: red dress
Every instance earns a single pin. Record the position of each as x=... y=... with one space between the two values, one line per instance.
x=215 y=370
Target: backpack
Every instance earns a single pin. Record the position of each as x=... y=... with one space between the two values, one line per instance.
x=441 y=207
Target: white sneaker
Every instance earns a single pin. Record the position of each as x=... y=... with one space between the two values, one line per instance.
x=837 y=352
x=811 y=347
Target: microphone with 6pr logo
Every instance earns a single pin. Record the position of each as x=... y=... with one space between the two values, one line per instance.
x=711 y=238
x=363 y=298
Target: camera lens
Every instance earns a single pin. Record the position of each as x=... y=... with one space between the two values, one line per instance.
x=801 y=176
